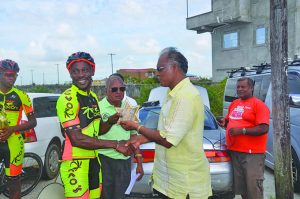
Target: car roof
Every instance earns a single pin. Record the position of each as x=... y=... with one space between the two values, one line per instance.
x=34 y=95
x=159 y=94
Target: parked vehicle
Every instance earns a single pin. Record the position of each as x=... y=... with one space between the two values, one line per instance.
x=213 y=144
x=45 y=139
x=160 y=93
x=263 y=90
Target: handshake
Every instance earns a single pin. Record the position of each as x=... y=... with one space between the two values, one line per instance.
x=129 y=147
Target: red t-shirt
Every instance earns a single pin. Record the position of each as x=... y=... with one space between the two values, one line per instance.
x=246 y=114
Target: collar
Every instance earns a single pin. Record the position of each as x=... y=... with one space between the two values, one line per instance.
x=12 y=88
x=178 y=87
x=81 y=92
x=106 y=103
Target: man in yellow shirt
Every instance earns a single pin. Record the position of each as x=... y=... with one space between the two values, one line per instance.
x=181 y=170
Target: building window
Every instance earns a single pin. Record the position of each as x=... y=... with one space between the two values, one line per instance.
x=230 y=40
x=260 y=35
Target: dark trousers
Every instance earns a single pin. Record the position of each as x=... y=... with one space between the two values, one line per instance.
x=116 y=176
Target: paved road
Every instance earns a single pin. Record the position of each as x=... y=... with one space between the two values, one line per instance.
x=268 y=186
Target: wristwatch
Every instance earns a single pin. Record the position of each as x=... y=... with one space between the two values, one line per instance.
x=244 y=131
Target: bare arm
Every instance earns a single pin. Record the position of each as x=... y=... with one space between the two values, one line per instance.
x=253 y=131
x=6 y=132
x=148 y=134
x=105 y=126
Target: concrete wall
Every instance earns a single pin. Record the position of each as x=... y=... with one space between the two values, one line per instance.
x=248 y=53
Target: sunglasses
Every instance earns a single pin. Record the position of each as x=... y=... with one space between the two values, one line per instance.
x=115 y=89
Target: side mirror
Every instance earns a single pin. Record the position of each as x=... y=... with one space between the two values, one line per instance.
x=294 y=100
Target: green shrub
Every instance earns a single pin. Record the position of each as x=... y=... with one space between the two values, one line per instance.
x=215 y=95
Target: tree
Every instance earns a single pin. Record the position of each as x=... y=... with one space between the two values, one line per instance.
x=280 y=111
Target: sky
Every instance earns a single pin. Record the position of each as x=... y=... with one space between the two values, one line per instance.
x=40 y=35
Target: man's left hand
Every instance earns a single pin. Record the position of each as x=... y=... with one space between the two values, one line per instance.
x=140 y=170
x=114 y=118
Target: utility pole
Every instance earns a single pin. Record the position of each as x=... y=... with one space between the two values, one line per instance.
x=57 y=73
x=111 y=61
x=280 y=110
x=43 y=78
x=31 y=76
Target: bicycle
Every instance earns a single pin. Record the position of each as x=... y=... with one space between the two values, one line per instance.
x=30 y=177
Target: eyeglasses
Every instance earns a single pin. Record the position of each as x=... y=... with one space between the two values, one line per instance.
x=115 y=89
x=161 y=68
x=9 y=75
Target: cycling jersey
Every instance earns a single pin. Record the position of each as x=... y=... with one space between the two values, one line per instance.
x=12 y=151
x=78 y=109
x=80 y=170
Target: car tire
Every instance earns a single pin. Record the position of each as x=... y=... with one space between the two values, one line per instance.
x=295 y=168
x=51 y=163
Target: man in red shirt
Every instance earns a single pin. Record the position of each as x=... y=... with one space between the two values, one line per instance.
x=247 y=125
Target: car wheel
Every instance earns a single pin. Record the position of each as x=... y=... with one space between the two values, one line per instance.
x=51 y=163
x=295 y=168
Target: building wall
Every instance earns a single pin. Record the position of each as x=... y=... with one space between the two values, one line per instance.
x=248 y=53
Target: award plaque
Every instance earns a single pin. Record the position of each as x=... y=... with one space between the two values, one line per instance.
x=128 y=112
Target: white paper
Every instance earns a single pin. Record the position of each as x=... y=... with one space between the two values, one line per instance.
x=134 y=176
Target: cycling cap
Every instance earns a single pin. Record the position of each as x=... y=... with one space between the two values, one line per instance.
x=8 y=65
x=78 y=57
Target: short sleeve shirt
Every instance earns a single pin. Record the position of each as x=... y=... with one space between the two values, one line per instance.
x=246 y=114
x=14 y=102
x=78 y=109
x=182 y=169
x=116 y=132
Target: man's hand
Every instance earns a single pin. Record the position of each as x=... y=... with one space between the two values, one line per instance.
x=123 y=148
x=114 y=118
x=129 y=125
x=235 y=131
x=221 y=121
x=5 y=133
x=135 y=141
x=140 y=170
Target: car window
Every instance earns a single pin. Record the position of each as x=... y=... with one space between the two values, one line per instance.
x=151 y=119
x=45 y=106
x=230 y=90
x=152 y=116
x=209 y=121
x=294 y=82
x=264 y=87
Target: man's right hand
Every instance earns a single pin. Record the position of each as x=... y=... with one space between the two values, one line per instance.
x=136 y=141
x=123 y=148
x=221 y=121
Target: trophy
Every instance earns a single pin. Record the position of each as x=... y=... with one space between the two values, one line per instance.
x=3 y=119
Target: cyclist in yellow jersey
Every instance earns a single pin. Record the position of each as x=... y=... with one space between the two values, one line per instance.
x=13 y=101
x=79 y=114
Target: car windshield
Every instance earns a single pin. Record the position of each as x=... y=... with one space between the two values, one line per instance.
x=149 y=118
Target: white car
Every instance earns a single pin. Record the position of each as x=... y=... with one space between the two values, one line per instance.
x=46 y=138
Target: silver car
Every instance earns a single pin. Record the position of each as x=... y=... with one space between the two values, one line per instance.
x=213 y=144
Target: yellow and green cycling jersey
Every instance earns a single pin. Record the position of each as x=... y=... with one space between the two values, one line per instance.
x=78 y=109
x=14 y=102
